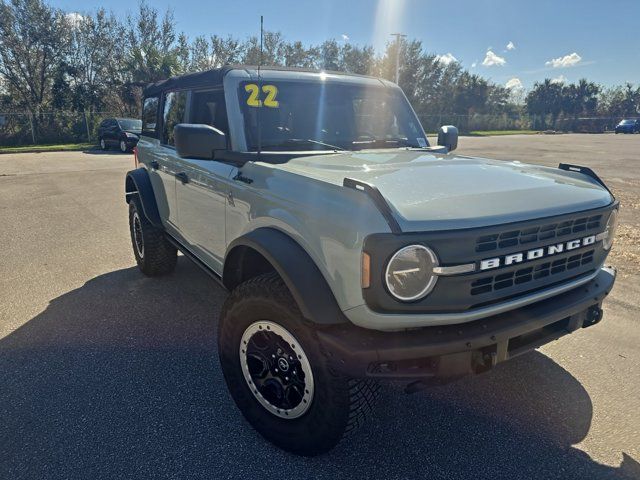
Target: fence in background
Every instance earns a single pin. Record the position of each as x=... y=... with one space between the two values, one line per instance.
x=479 y=122
x=79 y=127
x=50 y=127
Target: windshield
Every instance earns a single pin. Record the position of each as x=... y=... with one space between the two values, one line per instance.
x=627 y=122
x=326 y=116
x=130 y=124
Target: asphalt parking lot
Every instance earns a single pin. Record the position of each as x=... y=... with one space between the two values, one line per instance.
x=107 y=374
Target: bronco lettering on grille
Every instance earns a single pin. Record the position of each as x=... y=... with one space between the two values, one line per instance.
x=536 y=253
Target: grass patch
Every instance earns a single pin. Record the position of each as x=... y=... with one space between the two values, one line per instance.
x=487 y=133
x=47 y=148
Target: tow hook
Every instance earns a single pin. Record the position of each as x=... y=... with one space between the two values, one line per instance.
x=594 y=315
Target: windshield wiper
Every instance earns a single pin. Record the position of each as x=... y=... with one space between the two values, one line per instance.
x=383 y=142
x=297 y=141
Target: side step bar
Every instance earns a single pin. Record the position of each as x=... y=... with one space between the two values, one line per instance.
x=195 y=260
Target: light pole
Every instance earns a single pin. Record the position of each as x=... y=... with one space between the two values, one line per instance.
x=398 y=37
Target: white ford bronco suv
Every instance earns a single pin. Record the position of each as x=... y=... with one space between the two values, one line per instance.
x=353 y=250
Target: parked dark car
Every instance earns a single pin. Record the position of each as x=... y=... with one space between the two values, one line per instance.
x=628 y=125
x=123 y=133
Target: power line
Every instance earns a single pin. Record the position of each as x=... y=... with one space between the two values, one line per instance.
x=398 y=37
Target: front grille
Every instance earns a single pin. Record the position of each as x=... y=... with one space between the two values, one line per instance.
x=512 y=238
x=480 y=288
x=528 y=274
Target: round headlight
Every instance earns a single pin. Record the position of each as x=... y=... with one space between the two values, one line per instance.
x=409 y=273
x=610 y=230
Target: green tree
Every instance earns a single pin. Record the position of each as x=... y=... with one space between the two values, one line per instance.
x=273 y=50
x=544 y=100
x=152 y=51
x=226 y=51
x=354 y=59
x=329 y=55
x=297 y=55
x=620 y=101
x=34 y=37
x=90 y=67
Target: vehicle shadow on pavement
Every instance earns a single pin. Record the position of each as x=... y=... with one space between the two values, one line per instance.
x=120 y=379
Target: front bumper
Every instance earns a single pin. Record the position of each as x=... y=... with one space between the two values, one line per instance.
x=473 y=347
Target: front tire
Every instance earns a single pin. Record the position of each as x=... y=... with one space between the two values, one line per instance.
x=123 y=146
x=154 y=254
x=103 y=145
x=305 y=406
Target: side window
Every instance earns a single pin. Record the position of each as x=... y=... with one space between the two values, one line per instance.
x=175 y=104
x=209 y=108
x=150 y=116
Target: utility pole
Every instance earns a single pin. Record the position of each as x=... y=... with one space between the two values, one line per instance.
x=398 y=37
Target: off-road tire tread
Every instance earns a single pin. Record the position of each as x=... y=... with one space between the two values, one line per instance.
x=160 y=256
x=351 y=400
x=363 y=394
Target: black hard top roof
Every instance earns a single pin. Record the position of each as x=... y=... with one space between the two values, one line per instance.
x=214 y=77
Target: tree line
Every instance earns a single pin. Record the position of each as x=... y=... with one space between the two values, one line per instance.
x=52 y=61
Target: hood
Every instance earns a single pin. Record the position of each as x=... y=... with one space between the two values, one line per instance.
x=429 y=191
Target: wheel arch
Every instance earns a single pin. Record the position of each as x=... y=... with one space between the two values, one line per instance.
x=267 y=249
x=137 y=183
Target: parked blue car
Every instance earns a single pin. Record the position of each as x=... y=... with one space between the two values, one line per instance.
x=628 y=125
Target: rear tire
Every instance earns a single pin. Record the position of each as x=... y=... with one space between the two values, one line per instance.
x=103 y=145
x=337 y=405
x=154 y=254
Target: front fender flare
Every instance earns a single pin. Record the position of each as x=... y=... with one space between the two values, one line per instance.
x=138 y=182
x=299 y=272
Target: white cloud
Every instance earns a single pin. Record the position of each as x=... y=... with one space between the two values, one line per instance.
x=559 y=79
x=474 y=64
x=570 y=60
x=511 y=46
x=345 y=37
x=446 y=59
x=491 y=59
x=514 y=84
x=74 y=19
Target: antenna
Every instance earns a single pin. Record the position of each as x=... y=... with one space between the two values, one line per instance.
x=260 y=89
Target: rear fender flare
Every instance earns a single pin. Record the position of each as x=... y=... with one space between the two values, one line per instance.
x=138 y=183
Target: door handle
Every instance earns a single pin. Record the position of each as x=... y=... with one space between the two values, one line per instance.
x=182 y=177
x=155 y=165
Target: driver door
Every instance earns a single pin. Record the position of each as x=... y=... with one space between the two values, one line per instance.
x=202 y=186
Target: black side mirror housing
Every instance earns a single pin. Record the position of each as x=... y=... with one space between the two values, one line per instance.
x=448 y=137
x=198 y=140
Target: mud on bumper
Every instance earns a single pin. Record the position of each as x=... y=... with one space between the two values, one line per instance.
x=456 y=350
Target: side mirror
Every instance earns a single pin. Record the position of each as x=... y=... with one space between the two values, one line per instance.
x=448 y=137
x=198 y=140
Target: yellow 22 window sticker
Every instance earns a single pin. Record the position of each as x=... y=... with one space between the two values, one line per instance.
x=254 y=101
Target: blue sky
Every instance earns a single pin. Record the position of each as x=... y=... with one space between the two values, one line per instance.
x=599 y=40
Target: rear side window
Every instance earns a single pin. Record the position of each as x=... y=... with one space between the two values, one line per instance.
x=150 y=116
x=175 y=104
